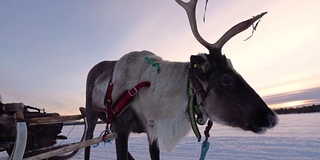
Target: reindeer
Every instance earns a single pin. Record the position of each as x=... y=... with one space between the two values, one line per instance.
x=160 y=110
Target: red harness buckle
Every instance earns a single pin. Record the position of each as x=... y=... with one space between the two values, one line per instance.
x=132 y=92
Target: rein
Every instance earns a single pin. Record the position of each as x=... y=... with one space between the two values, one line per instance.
x=197 y=117
x=194 y=88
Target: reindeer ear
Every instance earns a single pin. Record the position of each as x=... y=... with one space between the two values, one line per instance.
x=197 y=61
x=200 y=65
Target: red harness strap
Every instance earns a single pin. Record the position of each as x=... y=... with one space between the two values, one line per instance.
x=108 y=99
x=115 y=109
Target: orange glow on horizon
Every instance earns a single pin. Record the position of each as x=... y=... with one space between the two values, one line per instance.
x=292 y=104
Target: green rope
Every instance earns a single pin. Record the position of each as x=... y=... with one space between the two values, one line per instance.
x=192 y=111
x=155 y=64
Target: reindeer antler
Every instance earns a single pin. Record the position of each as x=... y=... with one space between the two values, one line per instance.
x=236 y=29
x=190 y=8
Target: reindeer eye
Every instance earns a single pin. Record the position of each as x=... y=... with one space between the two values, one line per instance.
x=227 y=80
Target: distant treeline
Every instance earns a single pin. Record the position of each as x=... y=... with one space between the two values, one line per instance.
x=304 y=109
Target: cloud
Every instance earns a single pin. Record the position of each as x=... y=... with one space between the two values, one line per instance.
x=304 y=97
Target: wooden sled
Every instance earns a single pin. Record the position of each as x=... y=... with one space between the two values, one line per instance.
x=52 y=152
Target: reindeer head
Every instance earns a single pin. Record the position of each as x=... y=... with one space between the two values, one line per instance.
x=227 y=97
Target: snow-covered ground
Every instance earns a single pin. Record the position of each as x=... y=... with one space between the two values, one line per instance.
x=297 y=137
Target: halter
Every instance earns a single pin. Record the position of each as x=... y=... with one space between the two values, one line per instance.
x=195 y=87
x=196 y=117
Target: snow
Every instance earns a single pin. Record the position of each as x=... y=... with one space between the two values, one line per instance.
x=296 y=137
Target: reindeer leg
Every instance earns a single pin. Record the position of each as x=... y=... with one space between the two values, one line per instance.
x=91 y=122
x=122 y=146
x=123 y=125
x=154 y=150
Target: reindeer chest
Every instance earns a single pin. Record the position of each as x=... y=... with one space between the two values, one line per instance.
x=166 y=98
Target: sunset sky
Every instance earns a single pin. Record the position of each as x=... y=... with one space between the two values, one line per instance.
x=48 y=47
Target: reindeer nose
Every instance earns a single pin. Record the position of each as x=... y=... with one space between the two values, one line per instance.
x=273 y=120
